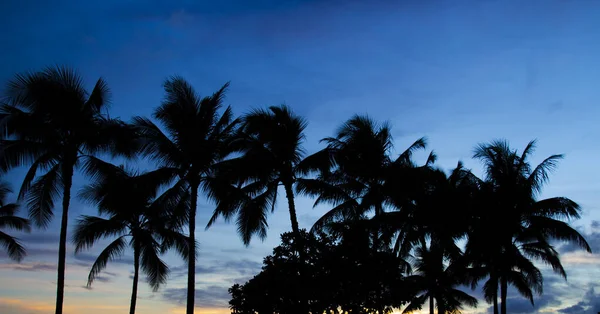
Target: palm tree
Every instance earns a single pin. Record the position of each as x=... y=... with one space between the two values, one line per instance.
x=522 y=225
x=429 y=204
x=151 y=223
x=50 y=122
x=360 y=165
x=437 y=282
x=8 y=220
x=270 y=142
x=197 y=139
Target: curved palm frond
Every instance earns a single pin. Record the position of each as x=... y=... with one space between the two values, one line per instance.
x=15 y=250
x=42 y=194
x=154 y=268
x=113 y=251
x=540 y=174
x=14 y=223
x=90 y=229
x=558 y=230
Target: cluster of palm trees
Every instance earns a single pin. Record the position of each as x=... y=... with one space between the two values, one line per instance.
x=52 y=125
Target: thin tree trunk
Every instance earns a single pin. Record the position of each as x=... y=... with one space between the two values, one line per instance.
x=431 y=305
x=67 y=176
x=503 y=292
x=191 y=284
x=136 y=276
x=496 y=298
x=289 y=193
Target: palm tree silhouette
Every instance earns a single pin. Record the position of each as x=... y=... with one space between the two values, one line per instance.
x=54 y=125
x=270 y=142
x=359 y=167
x=197 y=138
x=437 y=282
x=8 y=220
x=521 y=224
x=151 y=223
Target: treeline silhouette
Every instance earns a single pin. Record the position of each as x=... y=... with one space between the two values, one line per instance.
x=399 y=233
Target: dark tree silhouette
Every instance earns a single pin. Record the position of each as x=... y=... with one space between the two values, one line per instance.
x=437 y=282
x=359 y=166
x=270 y=143
x=8 y=220
x=335 y=275
x=196 y=140
x=152 y=223
x=520 y=224
x=51 y=123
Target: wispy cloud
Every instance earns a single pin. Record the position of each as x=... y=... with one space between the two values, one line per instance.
x=210 y=296
x=33 y=267
x=589 y=304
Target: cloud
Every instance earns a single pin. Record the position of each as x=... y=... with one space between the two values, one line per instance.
x=33 y=267
x=590 y=304
x=210 y=296
x=90 y=258
x=242 y=267
x=520 y=305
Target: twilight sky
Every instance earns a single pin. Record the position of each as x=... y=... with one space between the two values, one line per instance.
x=458 y=72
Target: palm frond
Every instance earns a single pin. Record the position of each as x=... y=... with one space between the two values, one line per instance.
x=540 y=174
x=171 y=239
x=15 y=250
x=43 y=163
x=17 y=153
x=113 y=251
x=558 y=230
x=557 y=207
x=406 y=156
x=156 y=145
x=252 y=215
x=15 y=223
x=42 y=195
x=100 y=96
x=155 y=269
x=90 y=229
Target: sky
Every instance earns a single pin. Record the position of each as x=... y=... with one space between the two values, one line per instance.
x=458 y=72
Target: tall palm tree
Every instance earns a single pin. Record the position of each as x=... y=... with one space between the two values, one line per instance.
x=51 y=123
x=435 y=281
x=430 y=204
x=270 y=143
x=196 y=139
x=151 y=223
x=360 y=165
x=8 y=220
x=522 y=225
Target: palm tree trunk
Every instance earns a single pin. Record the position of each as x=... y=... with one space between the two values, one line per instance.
x=67 y=176
x=289 y=193
x=431 y=305
x=503 y=292
x=496 y=299
x=136 y=276
x=191 y=284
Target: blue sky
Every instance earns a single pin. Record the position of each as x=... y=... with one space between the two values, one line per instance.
x=458 y=72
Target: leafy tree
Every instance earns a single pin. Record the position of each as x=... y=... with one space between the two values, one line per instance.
x=136 y=212
x=8 y=220
x=52 y=124
x=520 y=224
x=197 y=139
x=334 y=275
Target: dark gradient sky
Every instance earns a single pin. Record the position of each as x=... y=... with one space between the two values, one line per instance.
x=458 y=72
